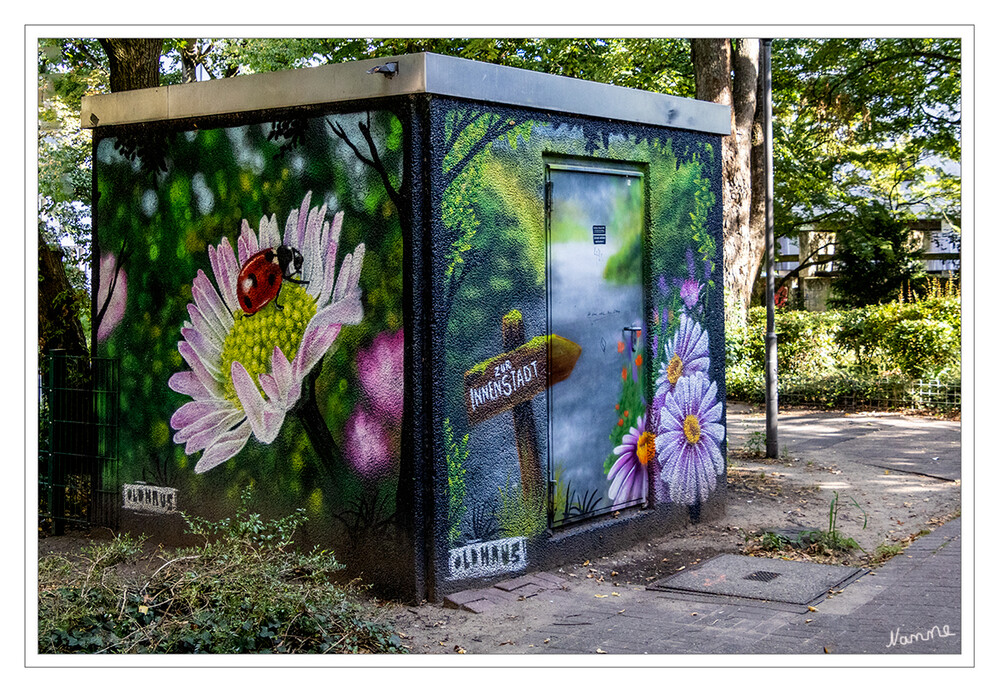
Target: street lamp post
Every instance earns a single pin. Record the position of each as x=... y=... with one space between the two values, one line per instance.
x=771 y=343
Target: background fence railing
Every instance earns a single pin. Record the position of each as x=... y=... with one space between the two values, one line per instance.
x=78 y=442
x=851 y=393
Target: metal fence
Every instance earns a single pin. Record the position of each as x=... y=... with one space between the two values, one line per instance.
x=78 y=442
x=920 y=395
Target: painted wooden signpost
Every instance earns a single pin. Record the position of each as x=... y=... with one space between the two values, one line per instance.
x=509 y=381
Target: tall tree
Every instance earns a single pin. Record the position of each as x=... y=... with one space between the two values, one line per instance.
x=727 y=72
x=862 y=120
x=134 y=62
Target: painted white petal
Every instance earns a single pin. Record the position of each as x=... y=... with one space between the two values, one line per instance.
x=207 y=352
x=279 y=385
x=314 y=345
x=350 y=274
x=310 y=247
x=291 y=229
x=218 y=271
x=193 y=411
x=208 y=421
x=270 y=235
x=226 y=269
x=329 y=262
x=346 y=311
x=265 y=418
x=302 y=219
x=319 y=262
x=294 y=226
x=209 y=302
x=249 y=240
x=241 y=245
x=269 y=386
x=218 y=427
x=225 y=447
x=282 y=371
x=210 y=377
x=186 y=382
x=210 y=329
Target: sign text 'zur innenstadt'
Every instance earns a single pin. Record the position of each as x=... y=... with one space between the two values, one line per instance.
x=517 y=376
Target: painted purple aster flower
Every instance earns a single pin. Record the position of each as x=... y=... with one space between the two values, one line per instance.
x=688 y=441
x=629 y=474
x=380 y=369
x=247 y=371
x=687 y=351
x=112 y=290
x=367 y=445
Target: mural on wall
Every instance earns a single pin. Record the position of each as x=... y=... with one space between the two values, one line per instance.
x=621 y=286
x=250 y=281
x=687 y=409
x=248 y=354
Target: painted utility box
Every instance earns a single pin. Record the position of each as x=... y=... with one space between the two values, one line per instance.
x=469 y=318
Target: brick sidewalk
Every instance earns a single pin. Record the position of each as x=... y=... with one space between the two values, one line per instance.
x=916 y=596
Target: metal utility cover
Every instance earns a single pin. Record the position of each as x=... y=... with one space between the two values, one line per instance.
x=761 y=579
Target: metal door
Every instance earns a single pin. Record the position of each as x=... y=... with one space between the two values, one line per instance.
x=597 y=455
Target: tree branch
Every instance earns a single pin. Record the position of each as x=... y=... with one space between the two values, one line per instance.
x=498 y=127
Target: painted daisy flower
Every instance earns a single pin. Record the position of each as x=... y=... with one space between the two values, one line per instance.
x=629 y=476
x=687 y=352
x=688 y=441
x=247 y=371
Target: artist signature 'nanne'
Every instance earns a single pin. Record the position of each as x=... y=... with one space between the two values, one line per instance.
x=906 y=639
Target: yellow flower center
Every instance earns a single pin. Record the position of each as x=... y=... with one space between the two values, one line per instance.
x=646 y=447
x=674 y=370
x=252 y=339
x=692 y=429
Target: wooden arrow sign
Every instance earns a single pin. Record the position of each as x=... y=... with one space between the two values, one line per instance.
x=504 y=381
x=509 y=381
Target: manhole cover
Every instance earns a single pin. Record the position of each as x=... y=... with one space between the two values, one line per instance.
x=762 y=579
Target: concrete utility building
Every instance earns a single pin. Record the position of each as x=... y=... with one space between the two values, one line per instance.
x=468 y=317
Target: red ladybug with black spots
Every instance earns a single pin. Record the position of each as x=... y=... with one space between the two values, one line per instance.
x=260 y=279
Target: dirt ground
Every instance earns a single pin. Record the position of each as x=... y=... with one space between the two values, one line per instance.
x=877 y=507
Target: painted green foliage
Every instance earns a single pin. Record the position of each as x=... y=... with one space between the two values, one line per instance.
x=209 y=404
x=493 y=219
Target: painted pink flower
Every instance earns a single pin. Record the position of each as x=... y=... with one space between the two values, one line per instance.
x=116 y=284
x=246 y=371
x=367 y=445
x=380 y=369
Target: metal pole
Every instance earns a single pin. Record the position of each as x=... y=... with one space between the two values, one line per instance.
x=768 y=136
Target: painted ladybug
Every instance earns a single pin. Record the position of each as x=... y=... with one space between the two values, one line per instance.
x=260 y=278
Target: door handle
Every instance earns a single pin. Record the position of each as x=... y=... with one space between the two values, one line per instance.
x=633 y=334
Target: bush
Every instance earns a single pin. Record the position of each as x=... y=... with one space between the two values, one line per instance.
x=243 y=591
x=923 y=347
x=847 y=357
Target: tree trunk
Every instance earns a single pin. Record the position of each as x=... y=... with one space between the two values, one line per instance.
x=134 y=62
x=189 y=60
x=729 y=74
x=58 y=322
